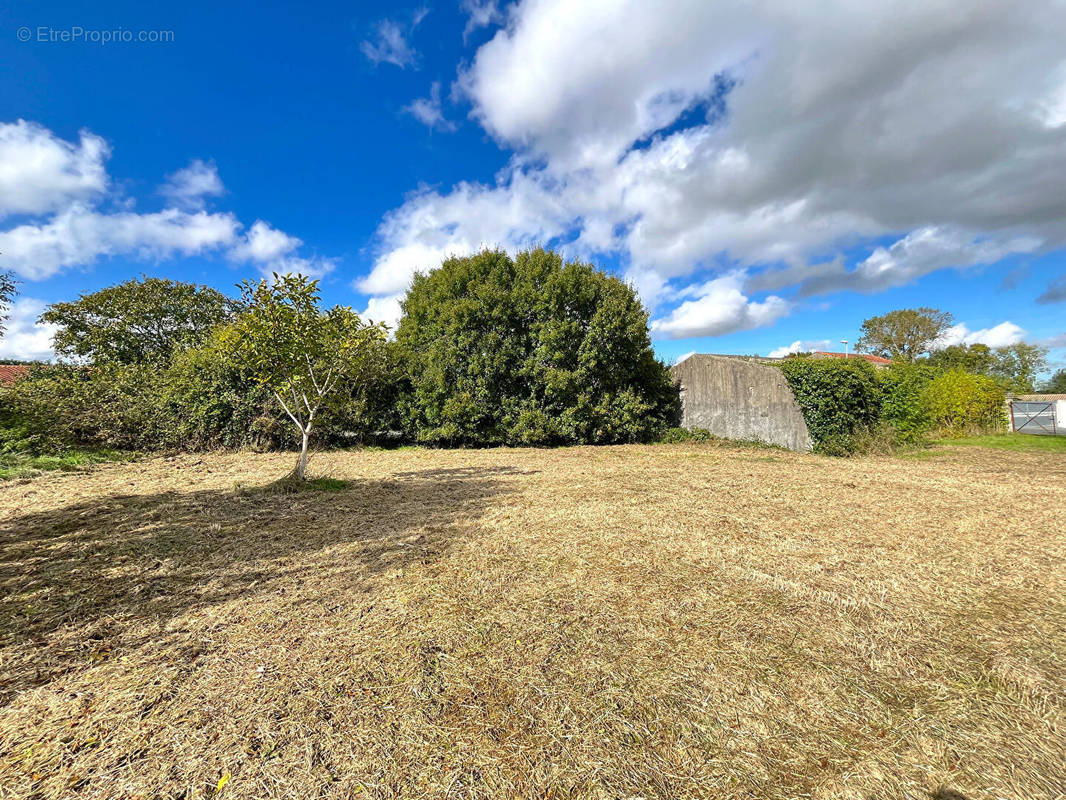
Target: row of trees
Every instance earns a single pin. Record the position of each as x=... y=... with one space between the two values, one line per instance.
x=915 y=334
x=491 y=350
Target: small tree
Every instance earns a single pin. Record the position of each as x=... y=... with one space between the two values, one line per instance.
x=905 y=334
x=299 y=352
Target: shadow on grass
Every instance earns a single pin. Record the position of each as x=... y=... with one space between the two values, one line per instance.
x=111 y=573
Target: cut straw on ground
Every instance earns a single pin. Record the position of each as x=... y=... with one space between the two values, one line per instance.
x=660 y=622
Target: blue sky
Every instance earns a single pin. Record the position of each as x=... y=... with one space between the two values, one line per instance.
x=764 y=176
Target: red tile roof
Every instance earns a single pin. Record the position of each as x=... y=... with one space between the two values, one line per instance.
x=9 y=373
x=871 y=359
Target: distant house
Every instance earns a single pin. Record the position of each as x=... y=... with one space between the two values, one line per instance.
x=9 y=373
x=877 y=361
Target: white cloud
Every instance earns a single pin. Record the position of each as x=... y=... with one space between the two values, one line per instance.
x=915 y=255
x=802 y=346
x=1001 y=335
x=719 y=308
x=263 y=243
x=40 y=172
x=59 y=187
x=480 y=14
x=384 y=309
x=390 y=44
x=25 y=339
x=189 y=186
x=783 y=157
x=79 y=236
x=271 y=250
x=428 y=111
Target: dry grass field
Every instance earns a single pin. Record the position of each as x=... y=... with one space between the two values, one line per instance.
x=628 y=622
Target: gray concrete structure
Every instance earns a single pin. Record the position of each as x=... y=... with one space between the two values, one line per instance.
x=737 y=398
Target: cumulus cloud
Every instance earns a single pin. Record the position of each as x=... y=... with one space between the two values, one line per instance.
x=384 y=309
x=1001 y=335
x=801 y=346
x=737 y=138
x=79 y=236
x=190 y=186
x=717 y=308
x=272 y=250
x=26 y=339
x=390 y=42
x=428 y=111
x=40 y=172
x=59 y=185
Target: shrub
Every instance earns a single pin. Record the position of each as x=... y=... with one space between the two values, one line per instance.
x=838 y=399
x=530 y=351
x=114 y=406
x=212 y=402
x=680 y=435
x=903 y=404
x=959 y=403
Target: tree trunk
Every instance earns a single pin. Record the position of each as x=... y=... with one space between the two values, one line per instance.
x=301 y=468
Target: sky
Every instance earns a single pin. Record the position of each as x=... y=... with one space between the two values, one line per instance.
x=766 y=173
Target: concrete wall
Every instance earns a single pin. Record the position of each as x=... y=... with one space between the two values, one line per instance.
x=739 y=399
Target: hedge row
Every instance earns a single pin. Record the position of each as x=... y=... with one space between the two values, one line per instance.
x=845 y=403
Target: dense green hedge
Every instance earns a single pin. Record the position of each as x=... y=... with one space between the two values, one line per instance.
x=838 y=398
x=903 y=399
x=959 y=403
x=850 y=406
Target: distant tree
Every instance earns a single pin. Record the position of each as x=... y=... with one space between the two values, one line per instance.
x=139 y=321
x=7 y=294
x=1017 y=365
x=1056 y=384
x=300 y=352
x=975 y=358
x=530 y=350
x=905 y=334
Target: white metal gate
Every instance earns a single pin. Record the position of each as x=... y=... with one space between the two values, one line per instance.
x=1037 y=417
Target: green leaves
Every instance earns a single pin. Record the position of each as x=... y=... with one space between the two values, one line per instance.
x=837 y=398
x=960 y=403
x=529 y=351
x=904 y=334
x=137 y=322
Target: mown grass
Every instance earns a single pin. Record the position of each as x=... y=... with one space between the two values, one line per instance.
x=25 y=465
x=672 y=621
x=1015 y=442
